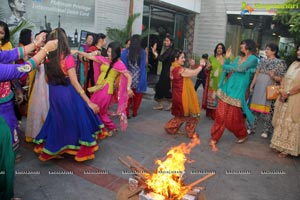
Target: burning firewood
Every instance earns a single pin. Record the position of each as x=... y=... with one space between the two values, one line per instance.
x=167 y=180
x=139 y=165
x=135 y=169
x=200 y=180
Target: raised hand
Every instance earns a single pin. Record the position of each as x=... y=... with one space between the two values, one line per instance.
x=228 y=52
x=40 y=39
x=51 y=45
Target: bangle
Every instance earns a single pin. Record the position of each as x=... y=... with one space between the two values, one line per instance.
x=45 y=50
x=35 y=60
x=81 y=92
x=32 y=63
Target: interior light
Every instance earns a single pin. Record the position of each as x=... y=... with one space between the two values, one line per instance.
x=238 y=18
x=250 y=23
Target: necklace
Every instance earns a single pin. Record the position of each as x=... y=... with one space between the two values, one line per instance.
x=242 y=59
x=220 y=58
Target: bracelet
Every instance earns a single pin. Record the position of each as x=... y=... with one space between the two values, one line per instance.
x=45 y=50
x=81 y=92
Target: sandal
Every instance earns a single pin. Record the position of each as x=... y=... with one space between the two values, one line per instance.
x=282 y=155
x=264 y=135
x=159 y=107
x=239 y=141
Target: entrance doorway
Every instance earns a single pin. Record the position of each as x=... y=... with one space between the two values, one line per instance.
x=164 y=21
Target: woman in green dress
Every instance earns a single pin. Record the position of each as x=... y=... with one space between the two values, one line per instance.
x=216 y=61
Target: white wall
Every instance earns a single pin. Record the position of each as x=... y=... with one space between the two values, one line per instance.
x=210 y=26
x=192 y=5
x=138 y=6
x=113 y=13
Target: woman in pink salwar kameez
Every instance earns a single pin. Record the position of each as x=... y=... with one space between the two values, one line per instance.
x=110 y=69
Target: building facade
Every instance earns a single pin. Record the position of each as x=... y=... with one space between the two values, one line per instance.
x=208 y=22
x=196 y=25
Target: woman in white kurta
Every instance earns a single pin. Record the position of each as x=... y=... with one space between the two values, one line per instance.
x=286 y=119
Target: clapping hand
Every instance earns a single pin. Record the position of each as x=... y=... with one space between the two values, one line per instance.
x=228 y=52
x=154 y=51
x=202 y=62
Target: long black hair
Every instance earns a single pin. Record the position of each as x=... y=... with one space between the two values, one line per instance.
x=274 y=48
x=6 y=35
x=53 y=64
x=115 y=55
x=135 y=49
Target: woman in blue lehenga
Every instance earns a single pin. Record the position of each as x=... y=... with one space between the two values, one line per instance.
x=71 y=125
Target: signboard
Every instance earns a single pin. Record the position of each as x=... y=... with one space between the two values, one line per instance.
x=71 y=15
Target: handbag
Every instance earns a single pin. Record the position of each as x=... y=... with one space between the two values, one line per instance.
x=272 y=92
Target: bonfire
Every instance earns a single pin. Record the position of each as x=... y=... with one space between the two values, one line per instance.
x=167 y=180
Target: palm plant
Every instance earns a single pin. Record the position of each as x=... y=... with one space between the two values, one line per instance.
x=121 y=35
x=14 y=37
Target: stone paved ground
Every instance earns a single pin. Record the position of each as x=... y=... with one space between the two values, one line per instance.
x=248 y=171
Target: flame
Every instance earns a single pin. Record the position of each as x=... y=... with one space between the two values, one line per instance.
x=167 y=180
